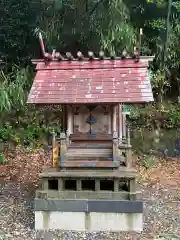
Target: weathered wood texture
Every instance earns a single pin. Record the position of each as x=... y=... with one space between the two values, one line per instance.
x=122 y=172
x=97 y=137
x=106 y=195
x=91 y=164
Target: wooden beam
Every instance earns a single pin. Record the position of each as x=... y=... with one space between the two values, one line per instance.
x=120 y=122
x=91 y=164
x=114 y=123
x=123 y=124
x=69 y=120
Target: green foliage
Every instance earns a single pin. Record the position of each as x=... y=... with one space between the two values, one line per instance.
x=148 y=161
x=6 y=133
x=19 y=123
x=160 y=84
x=13 y=88
x=174 y=117
x=3 y=161
x=17 y=22
x=167 y=115
x=85 y=25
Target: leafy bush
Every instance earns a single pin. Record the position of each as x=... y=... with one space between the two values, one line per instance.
x=167 y=115
x=3 y=161
x=148 y=161
x=6 y=133
x=174 y=117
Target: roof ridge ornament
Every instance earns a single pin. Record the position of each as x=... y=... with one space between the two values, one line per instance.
x=112 y=55
x=42 y=44
x=124 y=54
x=137 y=49
x=80 y=55
x=59 y=56
x=101 y=55
x=91 y=55
x=68 y=56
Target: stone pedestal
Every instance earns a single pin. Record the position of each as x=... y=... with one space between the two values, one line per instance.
x=89 y=215
x=88 y=200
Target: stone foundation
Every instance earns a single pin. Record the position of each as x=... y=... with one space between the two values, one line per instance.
x=89 y=215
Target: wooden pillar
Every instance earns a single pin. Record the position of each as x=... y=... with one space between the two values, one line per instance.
x=114 y=130
x=55 y=152
x=76 y=119
x=63 y=149
x=63 y=118
x=120 y=122
x=116 y=185
x=79 y=185
x=128 y=160
x=132 y=189
x=69 y=120
x=97 y=185
x=109 y=121
x=45 y=184
x=60 y=184
x=123 y=124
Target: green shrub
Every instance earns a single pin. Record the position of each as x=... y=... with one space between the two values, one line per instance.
x=148 y=161
x=174 y=117
x=3 y=161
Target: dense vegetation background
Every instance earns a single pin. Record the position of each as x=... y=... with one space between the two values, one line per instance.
x=70 y=25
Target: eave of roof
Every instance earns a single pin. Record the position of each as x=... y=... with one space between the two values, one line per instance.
x=96 y=81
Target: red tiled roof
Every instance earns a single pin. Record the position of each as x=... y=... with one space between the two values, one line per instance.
x=97 y=81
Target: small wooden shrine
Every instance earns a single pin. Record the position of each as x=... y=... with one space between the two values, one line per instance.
x=91 y=185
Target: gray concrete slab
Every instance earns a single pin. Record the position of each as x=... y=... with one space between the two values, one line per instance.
x=106 y=206
x=61 y=205
x=115 y=206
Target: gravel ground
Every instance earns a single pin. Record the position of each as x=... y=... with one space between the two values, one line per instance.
x=161 y=215
x=160 y=191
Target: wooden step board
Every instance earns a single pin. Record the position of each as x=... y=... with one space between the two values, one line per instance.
x=90 y=164
x=89 y=154
x=92 y=137
x=91 y=150
x=121 y=172
x=83 y=145
x=88 y=158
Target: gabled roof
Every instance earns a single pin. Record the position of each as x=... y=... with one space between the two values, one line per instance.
x=95 y=81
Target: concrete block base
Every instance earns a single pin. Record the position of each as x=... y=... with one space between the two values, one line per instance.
x=88 y=221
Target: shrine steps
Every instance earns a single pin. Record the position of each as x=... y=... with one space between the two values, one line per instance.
x=121 y=172
x=90 y=163
x=89 y=186
x=91 y=145
x=81 y=152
